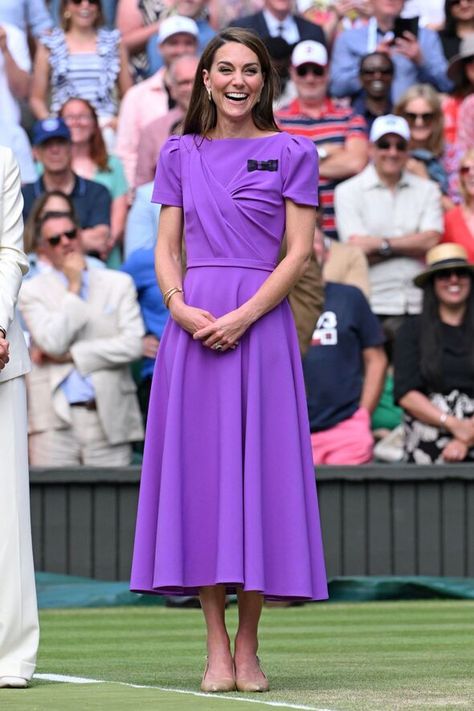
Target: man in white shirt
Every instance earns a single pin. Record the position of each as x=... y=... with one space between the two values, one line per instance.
x=393 y=216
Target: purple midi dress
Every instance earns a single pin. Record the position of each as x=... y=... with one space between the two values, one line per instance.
x=228 y=493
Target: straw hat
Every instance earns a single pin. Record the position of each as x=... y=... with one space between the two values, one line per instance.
x=466 y=49
x=442 y=257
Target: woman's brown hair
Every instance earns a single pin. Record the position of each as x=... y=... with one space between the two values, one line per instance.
x=65 y=22
x=435 y=142
x=201 y=117
x=98 y=151
x=39 y=213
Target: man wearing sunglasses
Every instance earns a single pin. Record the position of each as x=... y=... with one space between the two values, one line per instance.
x=393 y=216
x=339 y=135
x=376 y=76
x=86 y=329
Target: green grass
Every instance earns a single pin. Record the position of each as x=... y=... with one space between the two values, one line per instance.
x=343 y=657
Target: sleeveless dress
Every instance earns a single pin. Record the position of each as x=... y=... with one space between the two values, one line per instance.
x=227 y=492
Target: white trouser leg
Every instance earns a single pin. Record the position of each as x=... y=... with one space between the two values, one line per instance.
x=19 y=629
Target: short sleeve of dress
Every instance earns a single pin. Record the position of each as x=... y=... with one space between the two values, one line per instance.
x=300 y=171
x=167 y=186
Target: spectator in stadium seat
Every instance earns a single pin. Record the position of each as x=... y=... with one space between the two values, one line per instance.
x=90 y=160
x=461 y=71
x=52 y=146
x=86 y=329
x=376 y=76
x=459 y=22
x=416 y=59
x=420 y=105
x=344 y=371
x=459 y=222
x=434 y=362
x=81 y=59
x=137 y=21
x=15 y=66
x=181 y=77
x=142 y=221
x=277 y=19
x=150 y=99
x=195 y=9
x=393 y=216
x=339 y=135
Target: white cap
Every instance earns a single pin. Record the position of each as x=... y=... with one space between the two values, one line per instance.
x=389 y=124
x=309 y=52
x=174 y=25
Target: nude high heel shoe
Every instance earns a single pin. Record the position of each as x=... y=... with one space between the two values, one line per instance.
x=247 y=684
x=223 y=684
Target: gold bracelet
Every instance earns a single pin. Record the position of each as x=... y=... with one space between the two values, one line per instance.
x=168 y=291
x=172 y=292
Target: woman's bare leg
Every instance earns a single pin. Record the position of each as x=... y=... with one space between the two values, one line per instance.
x=220 y=670
x=249 y=676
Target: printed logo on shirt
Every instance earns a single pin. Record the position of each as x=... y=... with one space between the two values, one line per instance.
x=325 y=333
x=270 y=165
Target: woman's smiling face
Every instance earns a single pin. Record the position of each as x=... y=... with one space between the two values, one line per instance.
x=235 y=80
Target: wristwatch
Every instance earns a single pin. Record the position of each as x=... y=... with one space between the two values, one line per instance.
x=385 y=249
x=322 y=152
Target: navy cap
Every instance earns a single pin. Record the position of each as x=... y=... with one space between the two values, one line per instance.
x=50 y=128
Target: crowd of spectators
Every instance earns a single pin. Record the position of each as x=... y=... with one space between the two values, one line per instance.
x=90 y=90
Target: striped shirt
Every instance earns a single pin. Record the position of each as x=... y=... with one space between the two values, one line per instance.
x=336 y=124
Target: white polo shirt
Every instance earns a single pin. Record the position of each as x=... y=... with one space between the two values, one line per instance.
x=366 y=206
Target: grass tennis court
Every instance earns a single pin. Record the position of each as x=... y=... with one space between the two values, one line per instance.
x=342 y=657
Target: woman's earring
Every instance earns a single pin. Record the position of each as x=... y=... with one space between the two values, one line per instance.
x=67 y=15
x=209 y=94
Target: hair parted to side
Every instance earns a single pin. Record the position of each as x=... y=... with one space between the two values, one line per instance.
x=435 y=142
x=98 y=151
x=65 y=22
x=201 y=117
x=39 y=213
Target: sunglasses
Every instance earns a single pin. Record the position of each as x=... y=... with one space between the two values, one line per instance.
x=314 y=69
x=425 y=118
x=446 y=274
x=383 y=144
x=458 y=2
x=79 y=2
x=372 y=72
x=466 y=169
x=56 y=239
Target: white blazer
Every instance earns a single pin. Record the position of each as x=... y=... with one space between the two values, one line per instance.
x=13 y=263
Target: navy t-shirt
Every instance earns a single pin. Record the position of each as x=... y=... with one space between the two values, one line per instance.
x=333 y=367
x=92 y=201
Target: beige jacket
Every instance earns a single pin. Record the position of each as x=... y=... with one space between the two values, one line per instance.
x=13 y=263
x=103 y=335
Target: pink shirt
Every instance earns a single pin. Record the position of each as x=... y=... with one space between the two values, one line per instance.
x=141 y=105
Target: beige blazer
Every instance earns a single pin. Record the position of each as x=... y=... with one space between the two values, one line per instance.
x=103 y=335
x=13 y=263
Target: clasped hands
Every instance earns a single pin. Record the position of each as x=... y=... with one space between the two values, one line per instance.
x=224 y=331
x=4 y=352
x=463 y=431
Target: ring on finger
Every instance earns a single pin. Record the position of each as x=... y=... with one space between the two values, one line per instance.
x=217 y=347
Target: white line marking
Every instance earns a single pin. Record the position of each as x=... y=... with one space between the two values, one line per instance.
x=84 y=680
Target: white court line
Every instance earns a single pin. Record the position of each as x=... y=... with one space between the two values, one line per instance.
x=84 y=680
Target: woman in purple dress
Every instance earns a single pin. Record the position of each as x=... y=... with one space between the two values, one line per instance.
x=228 y=498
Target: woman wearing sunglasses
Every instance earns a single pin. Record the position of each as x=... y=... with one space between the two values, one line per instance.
x=421 y=107
x=81 y=59
x=459 y=221
x=434 y=362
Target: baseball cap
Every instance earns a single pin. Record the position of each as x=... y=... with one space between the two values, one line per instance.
x=309 y=52
x=389 y=124
x=174 y=25
x=50 y=128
